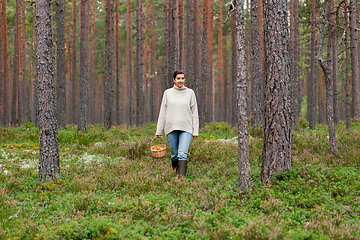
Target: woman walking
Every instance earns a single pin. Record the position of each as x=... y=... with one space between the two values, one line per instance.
x=179 y=120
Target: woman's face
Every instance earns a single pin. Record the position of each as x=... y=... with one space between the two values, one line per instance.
x=179 y=80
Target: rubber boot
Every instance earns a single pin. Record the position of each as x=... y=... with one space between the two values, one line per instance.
x=174 y=165
x=182 y=167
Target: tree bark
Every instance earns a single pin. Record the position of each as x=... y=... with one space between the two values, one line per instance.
x=60 y=64
x=190 y=67
x=84 y=67
x=347 y=78
x=108 y=96
x=220 y=98
x=74 y=106
x=312 y=85
x=128 y=102
x=24 y=106
x=354 y=61
x=334 y=61
x=257 y=93
x=204 y=67
x=277 y=140
x=140 y=88
x=15 y=83
x=197 y=47
x=232 y=84
x=2 y=65
x=49 y=162
x=296 y=67
x=326 y=67
x=181 y=36
x=241 y=79
x=209 y=83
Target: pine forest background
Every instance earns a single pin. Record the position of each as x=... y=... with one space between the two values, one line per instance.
x=133 y=47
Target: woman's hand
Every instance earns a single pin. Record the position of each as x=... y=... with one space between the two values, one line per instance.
x=194 y=137
x=158 y=136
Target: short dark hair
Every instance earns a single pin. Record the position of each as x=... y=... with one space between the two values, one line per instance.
x=178 y=72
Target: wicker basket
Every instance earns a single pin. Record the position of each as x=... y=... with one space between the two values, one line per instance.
x=158 y=151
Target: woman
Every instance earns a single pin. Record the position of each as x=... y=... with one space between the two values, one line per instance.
x=179 y=119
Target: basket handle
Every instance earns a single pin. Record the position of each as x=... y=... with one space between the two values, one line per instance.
x=151 y=144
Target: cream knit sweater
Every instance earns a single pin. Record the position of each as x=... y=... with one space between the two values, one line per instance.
x=178 y=111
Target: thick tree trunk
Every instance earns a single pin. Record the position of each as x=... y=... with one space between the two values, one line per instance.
x=326 y=67
x=49 y=162
x=257 y=93
x=241 y=79
x=204 y=67
x=276 y=156
x=84 y=67
x=60 y=64
x=140 y=88
x=311 y=96
x=108 y=96
x=354 y=61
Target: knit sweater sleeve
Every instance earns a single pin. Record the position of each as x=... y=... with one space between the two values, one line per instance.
x=162 y=116
x=194 y=116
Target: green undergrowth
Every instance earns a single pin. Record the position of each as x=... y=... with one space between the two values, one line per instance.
x=111 y=188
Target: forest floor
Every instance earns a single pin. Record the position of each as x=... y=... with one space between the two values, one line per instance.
x=111 y=188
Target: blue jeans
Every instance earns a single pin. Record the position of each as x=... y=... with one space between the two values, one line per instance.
x=179 y=144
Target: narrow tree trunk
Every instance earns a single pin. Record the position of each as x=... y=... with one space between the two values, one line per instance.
x=276 y=156
x=232 y=84
x=326 y=67
x=296 y=67
x=24 y=106
x=153 y=74
x=140 y=88
x=60 y=64
x=49 y=162
x=220 y=98
x=35 y=101
x=2 y=64
x=334 y=62
x=209 y=83
x=15 y=86
x=347 y=78
x=311 y=96
x=118 y=83
x=74 y=110
x=197 y=48
x=108 y=78
x=225 y=94
x=354 y=61
x=84 y=67
x=190 y=68
x=181 y=35
x=243 y=145
x=128 y=103
x=257 y=93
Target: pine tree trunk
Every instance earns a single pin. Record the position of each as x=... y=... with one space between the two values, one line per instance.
x=117 y=56
x=74 y=110
x=49 y=162
x=153 y=75
x=296 y=68
x=232 y=84
x=276 y=155
x=181 y=36
x=128 y=103
x=108 y=78
x=354 y=61
x=334 y=61
x=244 y=176
x=209 y=83
x=225 y=94
x=23 y=87
x=15 y=85
x=220 y=105
x=140 y=88
x=311 y=96
x=257 y=93
x=60 y=64
x=326 y=67
x=204 y=67
x=2 y=65
x=197 y=48
x=84 y=67
x=190 y=68
x=347 y=78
